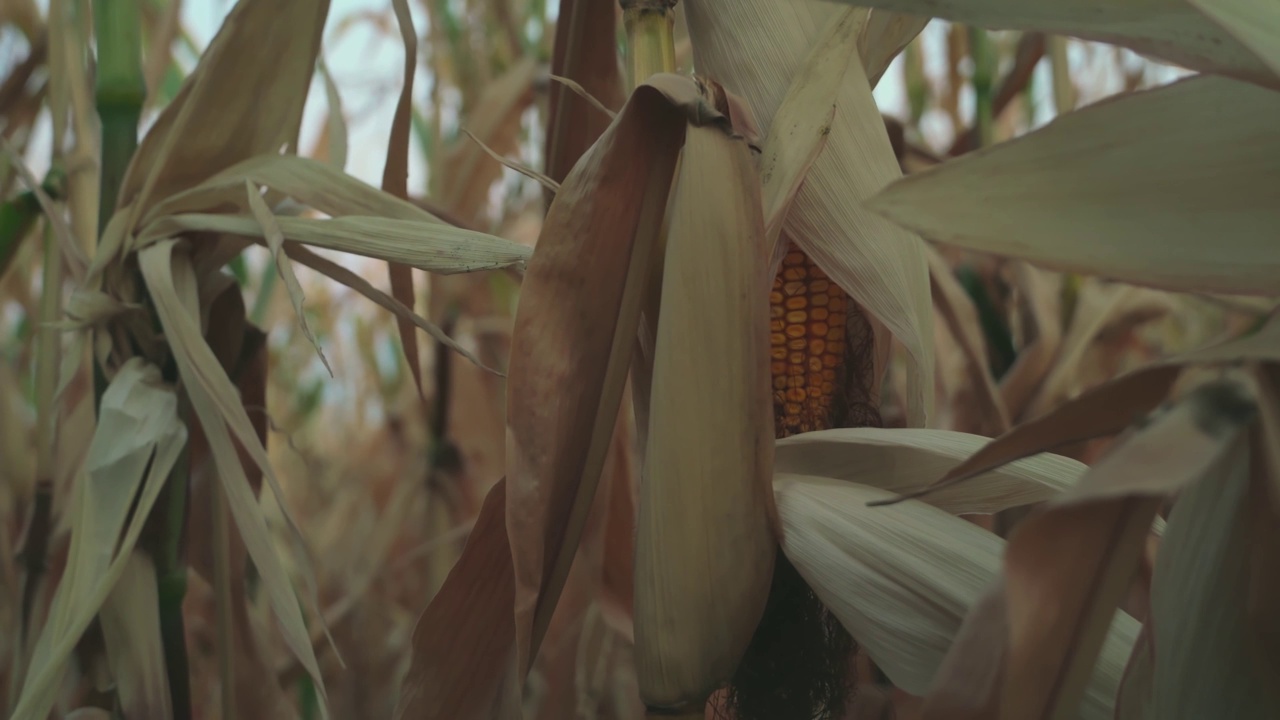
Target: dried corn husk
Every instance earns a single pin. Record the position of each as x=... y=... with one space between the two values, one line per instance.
x=704 y=543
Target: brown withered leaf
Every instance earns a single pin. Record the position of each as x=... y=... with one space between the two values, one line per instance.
x=464 y=643
x=585 y=52
x=574 y=336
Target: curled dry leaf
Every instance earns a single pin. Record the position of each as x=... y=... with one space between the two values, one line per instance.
x=135 y=650
x=705 y=543
x=463 y=662
x=1096 y=192
x=756 y=48
x=1170 y=30
x=903 y=582
x=138 y=440
x=885 y=35
x=574 y=335
x=900 y=459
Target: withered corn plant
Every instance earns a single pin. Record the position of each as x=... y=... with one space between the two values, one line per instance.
x=696 y=445
x=772 y=170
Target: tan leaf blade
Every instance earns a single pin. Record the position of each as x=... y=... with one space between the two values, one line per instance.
x=222 y=416
x=884 y=36
x=901 y=459
x=464 y=643
x=138 y=424
x=1170 y=30
x=802 y=124
x=756 y=48
x=1069 y=564
x=903 y=582
x=135 y=651
x=574 y=334
x=1206 y=662
x=192 y=139
x=1255 y=23
x=428 y=246
x=705 y=543
x=1097 y=192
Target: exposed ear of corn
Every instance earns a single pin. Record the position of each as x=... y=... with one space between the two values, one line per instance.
x=1098 y=192
x=903 y=578
x=138 y=440
x=704 y=540
x=575 y=332
x=905 y=459
x=755 y=48
x=1255 y=23
x=1170 y=30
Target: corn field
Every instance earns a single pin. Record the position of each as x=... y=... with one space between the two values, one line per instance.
x=623 y=359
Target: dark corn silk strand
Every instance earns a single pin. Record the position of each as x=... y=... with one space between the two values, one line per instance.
x=822 y=352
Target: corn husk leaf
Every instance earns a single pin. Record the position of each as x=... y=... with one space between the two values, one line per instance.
x=135 y=651
x=584 y=51
x=574 y=336
x=902 y=459
x=802 y=123
x=1255 y=23
x=1206 y=661
x=171 y=281
x=138 y=440
x=192 y=139
x=463 y=662
x=885 y=35
x=1069 y=563
x=1097 y=192
x=334 y=150
x=902 y=582
x=705 y=544
x=1112 y=406
x=441 y=249
x=756 y=48
x=1169 y=30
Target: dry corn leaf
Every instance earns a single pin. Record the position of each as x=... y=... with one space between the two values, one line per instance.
x=1205 y=661
x=1041 y=303
x=903 y=582
x=755 y=48
x=1069 y=564
x=135 y=650
x=705 y=543
x=574 y=335
x=585 y=51
x=464 y=643
x=441 y=249
x=395 y=179
x=967 y=688
x=1100 y=309
x=802 y=123
x=1133 y=699
x=495 y=121
x=334 y=131
x=214 y=399
x=137 y=442
x=308 y=181
x=1112 y=406
x=1097 y=192
x=885 y=35
x=192 y=139
x=1255 y=23
x=1170 y=30
x=961 y=318
x=902 y=459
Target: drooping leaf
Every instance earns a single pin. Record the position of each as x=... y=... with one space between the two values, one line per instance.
x=1097 y=192
x=135 y=651
x=1255 y=23
x=884 y=36
x=1170 y=30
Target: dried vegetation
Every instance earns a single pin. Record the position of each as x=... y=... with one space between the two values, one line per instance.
x=665 y=371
